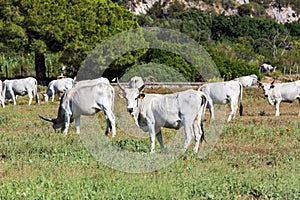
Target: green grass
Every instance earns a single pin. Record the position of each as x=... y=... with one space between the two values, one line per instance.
x=256 y=157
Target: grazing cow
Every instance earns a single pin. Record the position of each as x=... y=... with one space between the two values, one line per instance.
x=87 y=100
x=247 y=81
x=2 y=93
x=281 y=92
x=91 y=82
x=151 y=112
x=21 y=87
x=136 y=82
x=266 y=68
x=222 y=93
x=58 y=86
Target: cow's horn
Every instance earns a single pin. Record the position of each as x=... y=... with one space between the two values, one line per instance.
x=141 y=88
x=46 y=119
x=123 y=90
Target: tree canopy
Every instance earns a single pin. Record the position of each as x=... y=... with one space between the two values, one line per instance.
x=71 y=27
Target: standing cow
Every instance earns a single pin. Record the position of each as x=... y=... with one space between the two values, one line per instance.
x=56 y=87
x=281 y=92
x=266 y=68
x=151 y=112
x=2 y=93
x=222 y=93
x=87 y=100
x=21 y=87
x=248 y=81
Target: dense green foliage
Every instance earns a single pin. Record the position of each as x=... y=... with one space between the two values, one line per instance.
x=68 y=31
x=73 y=28
x=237 y=44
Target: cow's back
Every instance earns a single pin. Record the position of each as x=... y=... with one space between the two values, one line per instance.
x=91 y=82
x=286 y=91
x=89 y=99
x=21 y=86
x=63 y=84
x=190 y=103
x=161 y=109
x=215 y=91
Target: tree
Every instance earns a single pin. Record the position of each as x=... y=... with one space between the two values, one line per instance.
x=73 y=27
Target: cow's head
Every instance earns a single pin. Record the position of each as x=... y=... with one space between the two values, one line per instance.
x=268 y=89
x=133 y=98
x=255 y=81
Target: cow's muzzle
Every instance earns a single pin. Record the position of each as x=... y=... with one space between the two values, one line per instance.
x=130 y=110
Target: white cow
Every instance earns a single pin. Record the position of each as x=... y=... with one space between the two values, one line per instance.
x=21 y=87
x=281 y=92
x=57 y=86
x=91 y=82
x=248 y=81
x=136 y=82
x=266 y=68
x=151 y=112
x=2 y=93
x=223 y=93
x=87 y=100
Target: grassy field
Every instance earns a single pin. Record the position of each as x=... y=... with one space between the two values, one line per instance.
x=256 y=157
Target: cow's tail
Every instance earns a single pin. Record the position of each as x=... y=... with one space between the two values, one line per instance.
x=35 y=92
x=241 y=101
x=113 y=99
x=202 y=110
x=202 y=138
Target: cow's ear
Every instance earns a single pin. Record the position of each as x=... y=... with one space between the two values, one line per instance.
x=141 y=96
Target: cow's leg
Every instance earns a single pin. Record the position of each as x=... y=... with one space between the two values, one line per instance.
x=152 y=140
x=210 y=106
x=2 y=102
x=151 y=135
x=277 y=113
x=160 y=140
x=12 y=94
x=30 y=97
x=53 y=96
x=77 y=124
x=188 y=129
x=67 y=123
x=198 y=133
x=233 y=109
x=299 y=104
